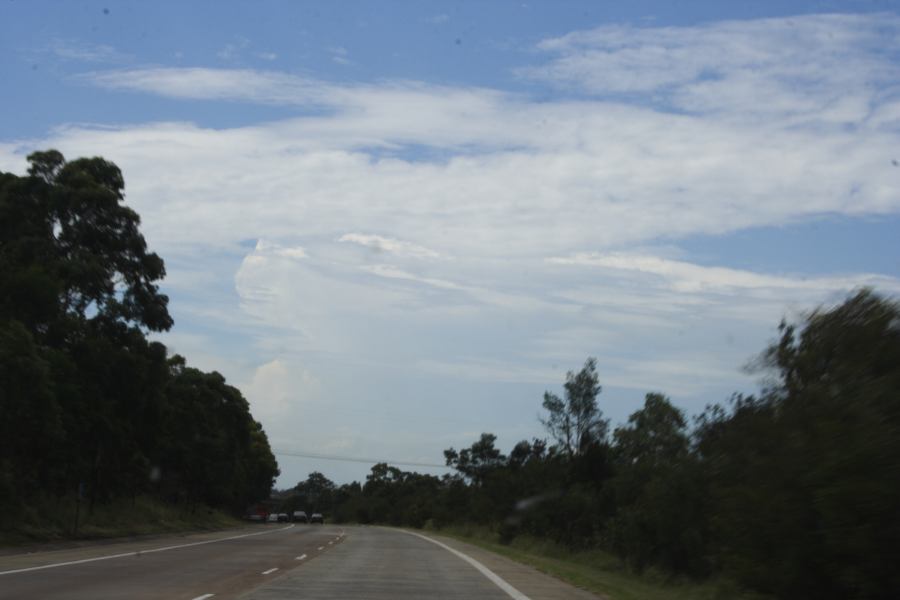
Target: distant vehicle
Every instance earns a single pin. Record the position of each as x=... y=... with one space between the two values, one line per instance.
x=255 y=518
x=300 y=516
x=317 y=518
x=283 y=518
x=273 y=518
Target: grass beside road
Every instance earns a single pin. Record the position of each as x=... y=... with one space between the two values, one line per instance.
x=596 y=571
x=53 y=520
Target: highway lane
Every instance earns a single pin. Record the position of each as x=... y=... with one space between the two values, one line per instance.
x=375 y=563
x=171 y=568
x=274 y=562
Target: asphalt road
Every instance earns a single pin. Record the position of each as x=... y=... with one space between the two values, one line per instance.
x=275 y=562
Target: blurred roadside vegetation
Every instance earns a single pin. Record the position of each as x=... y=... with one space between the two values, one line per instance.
x=597 y=570
x=792 y=493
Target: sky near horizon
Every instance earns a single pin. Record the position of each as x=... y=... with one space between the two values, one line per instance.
x=393 y=225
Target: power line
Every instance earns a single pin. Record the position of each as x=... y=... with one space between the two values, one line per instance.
x=370 y=461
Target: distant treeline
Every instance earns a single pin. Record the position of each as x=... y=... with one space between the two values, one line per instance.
x=794 y=493
x=89 y=407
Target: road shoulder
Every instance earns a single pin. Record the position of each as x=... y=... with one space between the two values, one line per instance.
x=528 y=580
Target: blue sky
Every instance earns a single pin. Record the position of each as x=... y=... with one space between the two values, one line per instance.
x=394 y=225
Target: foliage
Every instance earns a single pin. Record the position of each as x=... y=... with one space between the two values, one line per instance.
x=88 y=405
x=477 y=461
x=805 y=480
x=792 y=494
x=576 y=422
x=596 y=570
x=316 y=494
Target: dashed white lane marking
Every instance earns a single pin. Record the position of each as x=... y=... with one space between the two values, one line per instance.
x=330 y=543
x=495 y=579
x=272 y=570
x=204 y=596
x=139 y=552
x=301 y=557
x=321 y=548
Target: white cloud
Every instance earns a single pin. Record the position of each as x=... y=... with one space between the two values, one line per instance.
x=264 y=247
x=74 y=50
x=808 y=67
x=340 y=55
x=385 y=244
x=510 y=175
x=200 y=83
x=628 y=176
x=279 y=390
x=392 y=272
x=233 y=50
x=677 y=375
x=688 y=277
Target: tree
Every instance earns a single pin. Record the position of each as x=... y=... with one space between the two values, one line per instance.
x=654 y=435
x=658 y=491
x=76 y=275
x=577 y=421
x=525 y=451
x=87 y=402
x=316 y=491
x=74 y=229
x=804 y=482
x=478 y=460
x=30 y=416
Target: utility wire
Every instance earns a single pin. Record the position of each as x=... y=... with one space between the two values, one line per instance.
x=370 y=461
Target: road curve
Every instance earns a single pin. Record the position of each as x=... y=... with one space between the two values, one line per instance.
x=383 y=564
x=375 y=563
x=277 y=563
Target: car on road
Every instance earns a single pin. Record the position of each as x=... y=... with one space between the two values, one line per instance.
x=300 y=516
x=255 y=518
x=283 y=518
x=317 y=518
x=273 y=518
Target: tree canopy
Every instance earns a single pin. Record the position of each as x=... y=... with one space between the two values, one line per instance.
x=576 y=421
x=88 y=404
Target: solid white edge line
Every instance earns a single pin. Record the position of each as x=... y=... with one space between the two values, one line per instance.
x=139 y=552
x=495 y=579
x=272 y=570
x=204 y=596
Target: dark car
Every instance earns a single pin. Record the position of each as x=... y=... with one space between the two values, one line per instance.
x=300 y=517
x=317 y=518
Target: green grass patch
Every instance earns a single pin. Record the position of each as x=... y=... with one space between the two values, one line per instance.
x=53 y=520
x=597 y=571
